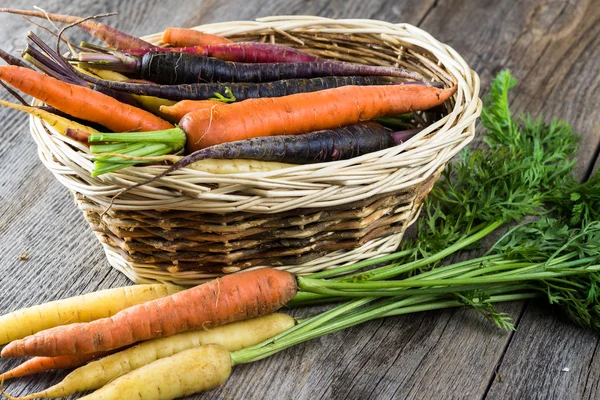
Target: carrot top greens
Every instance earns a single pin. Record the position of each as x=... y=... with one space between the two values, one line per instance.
x=525 y=171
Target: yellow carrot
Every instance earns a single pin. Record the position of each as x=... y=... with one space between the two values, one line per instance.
x=59 y=123
x=216 y=166
x=191 y=371
x=232 y=337
x=85 y=308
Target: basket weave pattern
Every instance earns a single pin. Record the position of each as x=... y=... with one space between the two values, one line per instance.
x=194 y=225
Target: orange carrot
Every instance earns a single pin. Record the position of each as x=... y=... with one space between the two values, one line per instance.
x=42 y=364
x=231 y=298
x=183 y=107
x=182 y=37
x=81 y=102
x=305 y=112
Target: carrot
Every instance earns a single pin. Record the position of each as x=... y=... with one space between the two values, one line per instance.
x=233 y=336
x=305 y=112
x=320 y=146
x=236 y=166
x=182 y=37
x=101 y=304
x=59 y=123
x=223 y=300
x=176 y=68
x=181 y=108
x=248 y=52
x=149 y=103
x=191 y=371
x=42 y=364
x=81 y=102
x=242 y=90
x=294 y=114
x=107 y=34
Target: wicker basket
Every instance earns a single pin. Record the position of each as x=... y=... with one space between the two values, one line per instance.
x=194 y=225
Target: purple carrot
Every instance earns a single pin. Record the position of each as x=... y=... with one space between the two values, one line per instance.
x=247 y=52
x=320 y=146
x=176 y=68
x=107 y=34
x=240 y=90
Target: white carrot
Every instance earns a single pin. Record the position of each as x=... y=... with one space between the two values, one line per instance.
x=190 y=371
x=232 y=337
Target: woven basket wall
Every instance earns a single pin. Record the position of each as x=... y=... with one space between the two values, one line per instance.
x=194 y=225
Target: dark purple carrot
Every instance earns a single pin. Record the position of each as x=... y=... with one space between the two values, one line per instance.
x=107 y=34
x=248 y=52
x=320 y=146
x=240 y=90
x=178 y=68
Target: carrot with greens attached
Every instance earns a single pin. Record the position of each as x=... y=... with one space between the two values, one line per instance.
x=107 y=34
x=242 y=90
x=183 y=37
x=104 y=303
x=36 y=365
x=81 y=102
x=320 y=146
x=233 y=337
x=288 y=115
x=230 y=298
x=247 y=52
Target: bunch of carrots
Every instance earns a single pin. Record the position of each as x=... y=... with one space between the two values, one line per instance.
x=202 y=96
x=198 y=97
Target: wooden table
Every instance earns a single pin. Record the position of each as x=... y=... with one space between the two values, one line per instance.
x=552 y=48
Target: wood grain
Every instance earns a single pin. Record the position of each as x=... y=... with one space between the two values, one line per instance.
x=551 y=47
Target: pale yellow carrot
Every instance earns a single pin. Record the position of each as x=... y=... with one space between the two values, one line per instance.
x=233 y=336
x=60 y=124
x=85 y=308
x=191 y=371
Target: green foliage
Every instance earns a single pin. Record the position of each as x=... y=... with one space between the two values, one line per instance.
x=522 y=164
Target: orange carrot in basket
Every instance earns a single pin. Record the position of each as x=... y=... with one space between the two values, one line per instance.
x=42 y=364
x=287 y=115
x=182 y=37
x=178 y=110
x=223 y=300
x=305 y=112
x=107 y=34
x=81 y=102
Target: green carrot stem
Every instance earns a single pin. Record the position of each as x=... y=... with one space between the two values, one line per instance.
x=359 y=265
x=103 y=168
x=175 y=136
x=145 y=151
x=455 y=303
x=321 y=286
x=113 y=148
x=387 y=272
x=389 y=308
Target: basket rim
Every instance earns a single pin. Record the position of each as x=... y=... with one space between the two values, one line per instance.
x=312 y=185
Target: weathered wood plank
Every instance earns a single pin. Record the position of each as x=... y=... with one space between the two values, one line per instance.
x=548 y=359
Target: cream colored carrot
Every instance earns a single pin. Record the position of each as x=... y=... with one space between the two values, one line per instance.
x=85 y=308
x=234 y=336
